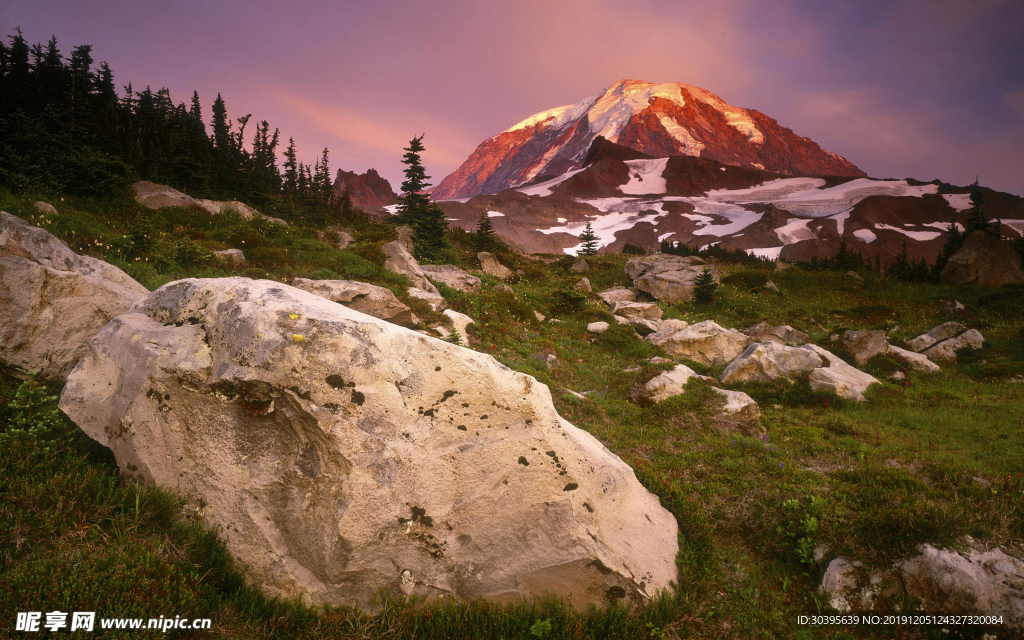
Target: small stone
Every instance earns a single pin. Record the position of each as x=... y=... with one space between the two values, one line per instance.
x=771 y=286
x=504 y=288
x=899 y=375
x=490 y=265
x=45 y=208
x=540 y=316
x=580 y=267
x=231 y=256
x=853 y=275
x=583 y=285
x=597 y=327
x=953 y=309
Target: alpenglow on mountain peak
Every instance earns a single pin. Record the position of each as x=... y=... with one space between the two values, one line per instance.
x=657 y=119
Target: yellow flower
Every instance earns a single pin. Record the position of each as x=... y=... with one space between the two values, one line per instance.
x=293 y=316
x=296 y=337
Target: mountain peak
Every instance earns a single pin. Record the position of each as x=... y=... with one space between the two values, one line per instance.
x=659 y=120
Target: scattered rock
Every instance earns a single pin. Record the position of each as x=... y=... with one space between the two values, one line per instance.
x=617 y=294
x=580 y=267
x=705 y=342
x=321 y=450
x=771 y=286
x=338 y=237
x=405 y=238
x=433 y=298
x=643 y=326
x=401 y=261
x=452 y=276
x=898 y=375
x=52 y=300
x=954 y=309
x=576 y=394
x=583 y=284
x=767 y=361
x=667 y=278
x=945 y=351
x=849 y=587
x=944 y=331
x=490 y=265
x=504 y=288
x=646 y=310
x=631 y=369
x=536 y=314
x=784 y=334
x=667 y=384
x=865 y=344
x=916 y=361
x=45 y=208
x=659 y=360
x=983 y=260
x=362 y=297
x=853 y=275
x=739 y=406
x=155 y=196
x=460 y=321
x=667 y=328
x=781 y=266
x=838 y=377
x=231 y=256
x=597 y=327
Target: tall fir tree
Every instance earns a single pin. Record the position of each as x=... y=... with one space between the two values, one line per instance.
x=291 y=169
x=977 y=220
x=427 y=220
x=589 y=238
x=705 y=288
x=485 y=236
x=345 y=203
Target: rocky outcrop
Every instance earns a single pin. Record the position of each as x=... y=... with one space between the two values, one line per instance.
x=617 y=294
x=941 y=342
x=973 y=581
x=52 y=300
x=156 y=196
x=490 y=265
x=369 y=191
x=865 y=345
x=452 y=276
x=738 y=406
x=432 y=298
x=363 y=297
x=459 y=320
x=784 y=334
x=916 y=361
x=666 y=277
x=645 y=310
x=671 y=119
x=983 y=260
x=399 y=260
x=583 y=284
x=231 y=256
x=705 y=342
x=338 y=455
x=405 y=234
x=767 y=361
x=835 y=376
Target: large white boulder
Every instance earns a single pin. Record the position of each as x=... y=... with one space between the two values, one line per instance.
x=617 y=294
x=838 y=377
x=705 y=342
x=866 y=344
x=490 y=265
x=363 y=297
x=337 y=454
x=432 y=298
x=645 y=310
x=399 y=260
x=738 y=405
x=916 y=361
x=52 y=300
x=668 y=278
x=459 y=320
x=783 y=334
x=944 y=331
x=945 y=351
x=452 y=276
x=767 y=361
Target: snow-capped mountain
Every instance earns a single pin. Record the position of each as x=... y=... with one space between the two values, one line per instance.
x=672 y=119
x=628 y=196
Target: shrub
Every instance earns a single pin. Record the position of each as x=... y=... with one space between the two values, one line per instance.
x=189 y=254
x=705 y=289
x=33 y=415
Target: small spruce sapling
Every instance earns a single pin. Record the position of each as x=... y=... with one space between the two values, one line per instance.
x=485 y=235
x=705 y=288
x=455 y=337
x=589 y=239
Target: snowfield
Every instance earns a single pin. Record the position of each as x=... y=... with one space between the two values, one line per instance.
x=865 y=235
x=645 y=177
x=544 y=188
x=922 y=236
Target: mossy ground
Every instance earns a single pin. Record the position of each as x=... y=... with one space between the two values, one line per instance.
x=928 y=459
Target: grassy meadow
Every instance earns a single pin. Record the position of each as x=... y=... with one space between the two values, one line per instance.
x=931 y=458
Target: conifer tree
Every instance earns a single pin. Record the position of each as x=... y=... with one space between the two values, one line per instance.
x=954 y=240
x=220 y=125
x=291 y=169
x=346 y=202
x=589 y=239
x=485 y=236
x=705 y=288
x=977 y=221
x=427 y=220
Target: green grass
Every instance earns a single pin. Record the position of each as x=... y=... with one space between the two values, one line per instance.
x=929 y=459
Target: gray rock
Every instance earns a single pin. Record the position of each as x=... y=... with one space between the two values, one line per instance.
x=838 y=377
x=771 y=286
x=338 y=237
x=849 y=587
x=666 y=278
x=401 y=261
x=405 y=238
x=580 y=267
x=504 y=288
x=945 y=351
x=784 y=334
x=597 y=327
x=316 y=440
x=490 y=265
x=231 y=256
x=646 y=310
x=617 y=294
x=898 y=375
x=52 y=300
x=944 y=331
x=954 y=309
x=643 y=326
x=452 y=276
x=781 y=266
x=916 y=361
x=865 y=344
x=433 y=298
x=706 y=342
x=740 y=407
x=45 y=208
x=155 y=196
x=536 y=314
x=667 y=328
x=667 y=384
x=853 y=275
x=767 y=361
x=362 y=297
x=983 y=260
x=583 y=284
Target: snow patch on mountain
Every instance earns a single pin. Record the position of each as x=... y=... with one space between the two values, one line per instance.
x=943 y=225
x=771 y=253
x=557 y=117
x=769 y=191
x=959 y=201
x=840 y=219
x=865 y=235
x=923 y=236
x=1016 y=225
x=495 y=214
x=795 y=230
x=605 y=227
x=691 y=145
x=544 y=188
x=645 y=177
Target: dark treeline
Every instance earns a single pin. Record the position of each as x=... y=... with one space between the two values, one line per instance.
x=64 y=128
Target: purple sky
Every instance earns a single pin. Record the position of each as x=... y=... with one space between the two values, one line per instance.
x=905 y=88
